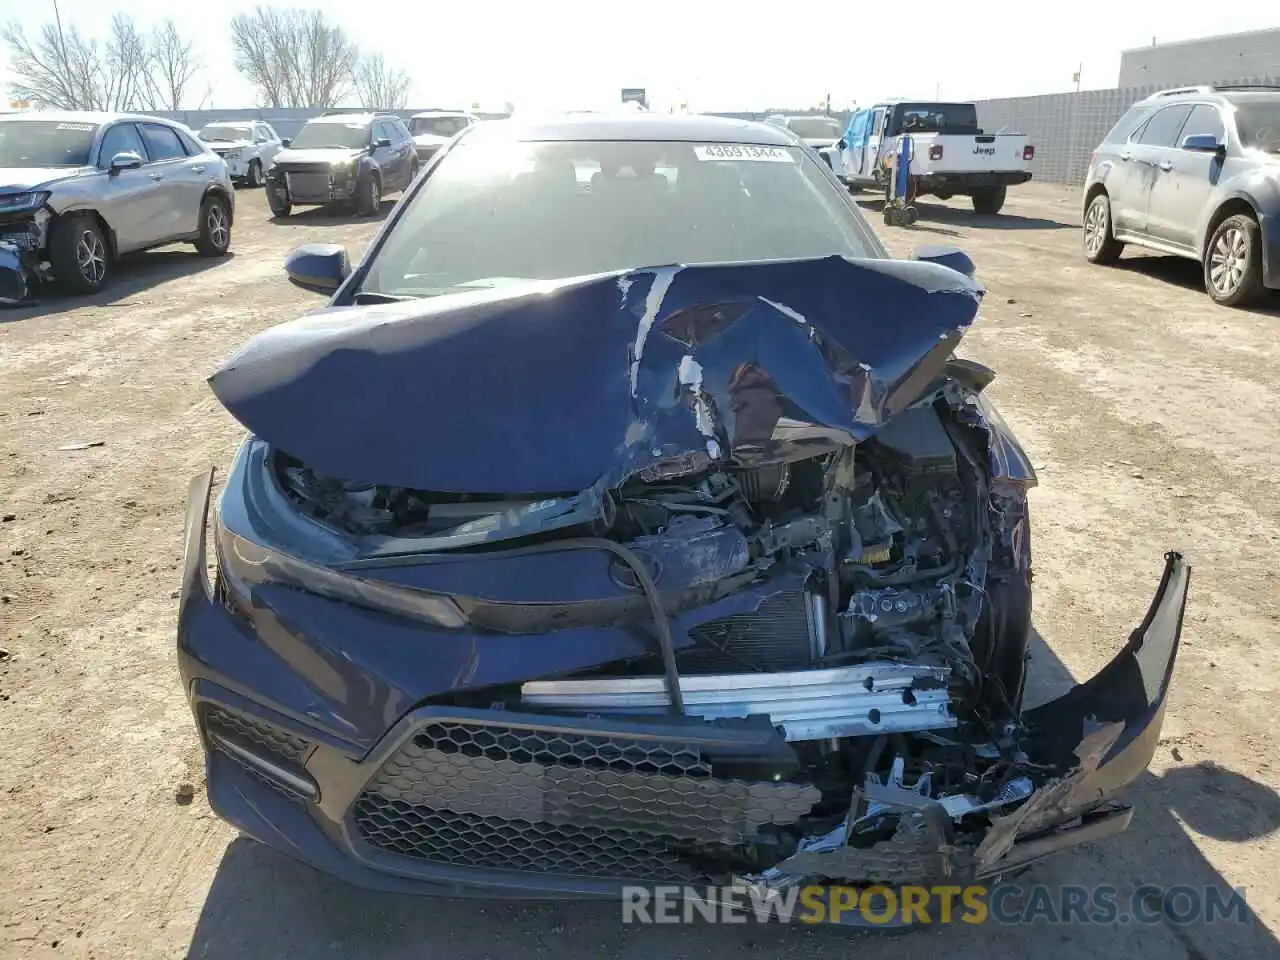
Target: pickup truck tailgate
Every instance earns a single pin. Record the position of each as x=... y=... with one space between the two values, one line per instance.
x=970 y=153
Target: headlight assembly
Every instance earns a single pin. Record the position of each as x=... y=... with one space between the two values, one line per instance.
x=13 y=202
x=245 y=564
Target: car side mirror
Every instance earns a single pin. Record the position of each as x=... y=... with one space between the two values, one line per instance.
x=945 y=256
x=842 y=144
x=124 y=160
x=318 y=267
x=1203 y=143
x=382 y=142
x=285 y=141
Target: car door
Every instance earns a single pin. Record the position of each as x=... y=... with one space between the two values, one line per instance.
x=1145 y=157
x=128 y=199
x=854 y=137
x=179 y=179
x=406 y=151
x=1185 y=179
x=875 y=140
x=385 y=157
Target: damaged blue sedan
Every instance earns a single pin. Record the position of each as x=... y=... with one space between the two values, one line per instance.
x=628 y=517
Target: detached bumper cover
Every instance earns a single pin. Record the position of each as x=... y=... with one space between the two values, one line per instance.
x=453 y=801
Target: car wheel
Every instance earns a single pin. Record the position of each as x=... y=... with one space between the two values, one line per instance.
x=1100 y=244
x=1233 y=262
x=989 y=200
x=255 y=174
x=80 y=254
x=370 y=197
x=278 y=201
x=215 y=228
x=413 y=174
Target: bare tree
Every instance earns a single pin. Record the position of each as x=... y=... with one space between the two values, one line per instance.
x=173 y=65
x=294 y=57
x=380 y=86
x=129 y=70
x=58 y=69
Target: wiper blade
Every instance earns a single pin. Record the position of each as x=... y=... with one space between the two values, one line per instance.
x=365 y=297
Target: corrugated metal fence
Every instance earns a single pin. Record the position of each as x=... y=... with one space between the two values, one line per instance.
x=1066 y=127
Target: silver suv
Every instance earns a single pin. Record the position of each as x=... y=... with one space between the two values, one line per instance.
x=1194 y=172
x=77 y=190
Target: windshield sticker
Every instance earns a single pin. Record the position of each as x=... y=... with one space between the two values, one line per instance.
x=82 y=127
x=743 y=151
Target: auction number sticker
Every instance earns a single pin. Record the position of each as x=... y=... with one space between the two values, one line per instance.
x=743 y=151
x=81 y=127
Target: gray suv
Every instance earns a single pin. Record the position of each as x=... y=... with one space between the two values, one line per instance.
x=77 y=190
x=1194 y=172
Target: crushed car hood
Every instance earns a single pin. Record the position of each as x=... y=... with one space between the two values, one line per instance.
x=25 y=178
x=557 y=387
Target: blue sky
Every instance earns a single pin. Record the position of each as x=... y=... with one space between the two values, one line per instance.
x=716 y=54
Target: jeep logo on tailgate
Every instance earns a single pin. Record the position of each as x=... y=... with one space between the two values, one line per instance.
x=988 y=151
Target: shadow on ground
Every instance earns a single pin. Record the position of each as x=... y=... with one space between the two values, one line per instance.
x=935 y=213
x=132 y=274
x=1187 y=273
x=333 y=215
x=263 y=904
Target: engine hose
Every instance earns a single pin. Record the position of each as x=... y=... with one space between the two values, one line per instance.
x=666 y=645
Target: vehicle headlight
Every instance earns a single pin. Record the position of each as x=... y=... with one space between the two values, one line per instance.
x=30 y=200
x=245 y=564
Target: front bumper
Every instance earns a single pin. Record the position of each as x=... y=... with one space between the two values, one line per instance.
x=313 y=187
x=456 y=801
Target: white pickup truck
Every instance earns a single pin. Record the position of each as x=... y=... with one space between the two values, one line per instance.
x=951 y=156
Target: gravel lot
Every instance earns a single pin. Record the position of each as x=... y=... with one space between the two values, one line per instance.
x=1149 y=412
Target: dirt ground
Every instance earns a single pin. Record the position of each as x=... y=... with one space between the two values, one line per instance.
x=1149 y=412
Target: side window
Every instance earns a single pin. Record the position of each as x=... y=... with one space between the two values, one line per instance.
x=192 y=148
x=122 y=138
x=1204 y=119
x=1162 y=129
x=162 y=142
x=402 y=131
x=270 y=132
x=877 y=123
x=380 y=130
x=1127 y=125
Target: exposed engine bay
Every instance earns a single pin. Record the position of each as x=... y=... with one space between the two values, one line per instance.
x=882 y=662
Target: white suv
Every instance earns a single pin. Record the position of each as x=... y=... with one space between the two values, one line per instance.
x=248 y=146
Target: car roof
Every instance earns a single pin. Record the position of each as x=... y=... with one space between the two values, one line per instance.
x=1235 y=93
x=434 y=114
x=637 y=126
x=231 y=123
x=87 y=116
x=352 y=117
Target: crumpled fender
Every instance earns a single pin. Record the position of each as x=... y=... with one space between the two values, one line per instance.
x=557 y=387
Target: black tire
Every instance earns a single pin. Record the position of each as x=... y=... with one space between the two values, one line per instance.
x=989 y=200
x=80 y=254
x=1100 y=243
x=278 y=201
x=413 y=174
x=215 y=227
x=1233 y=262
x=254 y=179
x=369 y=197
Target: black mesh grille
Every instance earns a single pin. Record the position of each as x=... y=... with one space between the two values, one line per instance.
x=557 y=803
x=284 y=748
